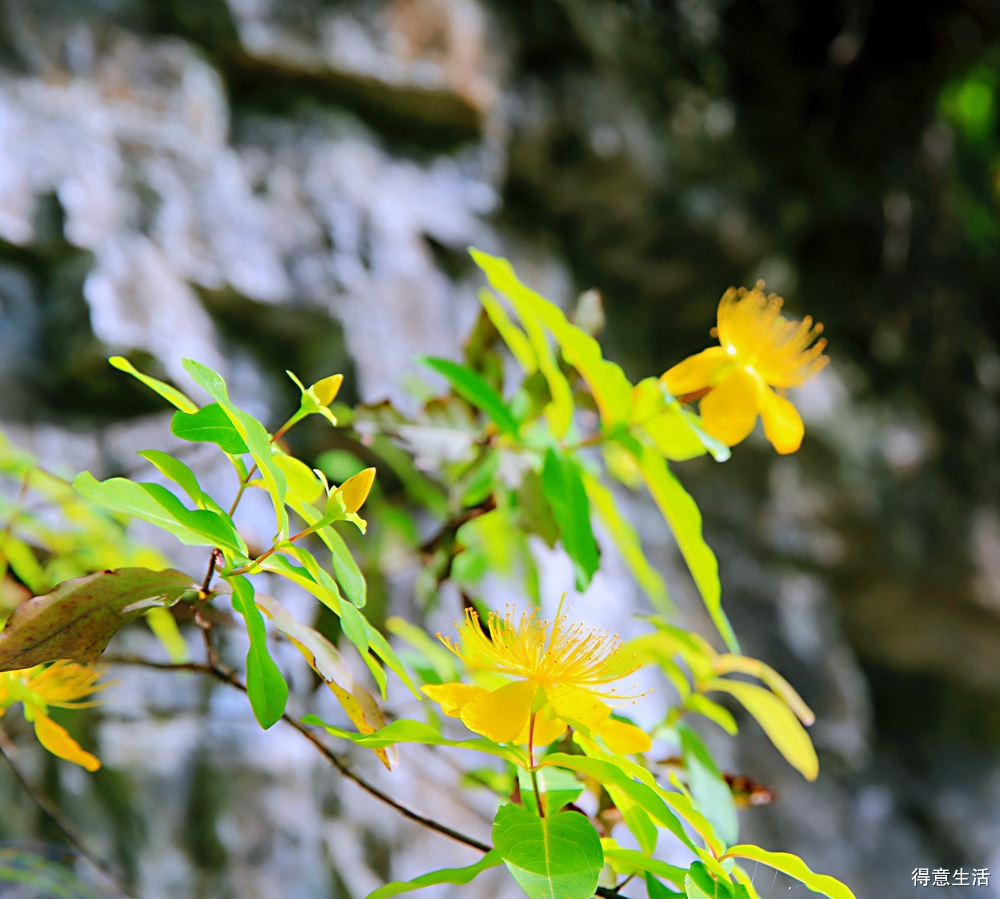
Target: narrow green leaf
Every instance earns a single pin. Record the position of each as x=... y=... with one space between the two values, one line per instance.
x=563 y=487
x=471 y=386
x=266 y=687
x=627 y=540
x=516 y=340
x=501 y=276
x=608 y=384
x=777 y=720
x=555 y=857
x=710 y=790
x=345 y=568
x=209 y=424
x=157 y=505
x=629 y=861
x=460 y=876
x=656 y=890
x=254 y=434
x=171 y=394
x=557 y=786
x=794 y=867
x=163 y=625
x=727 y=663
x=681 y=513
x=406 y=730
x=714 y=712
x=177 y=471
x=76 y=620
x=610 y=773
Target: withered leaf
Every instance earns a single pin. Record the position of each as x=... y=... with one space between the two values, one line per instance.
x=78 y=618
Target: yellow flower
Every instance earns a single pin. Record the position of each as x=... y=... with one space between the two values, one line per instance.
x=561 y=672
x=62 y=684
x=760 y=349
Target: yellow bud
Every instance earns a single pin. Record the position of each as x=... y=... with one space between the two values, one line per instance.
x=354 y=491
x=326 y=389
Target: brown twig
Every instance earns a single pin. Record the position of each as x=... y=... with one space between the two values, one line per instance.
x=9 y=751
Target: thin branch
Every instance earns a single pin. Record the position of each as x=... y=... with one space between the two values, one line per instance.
x=8 y=750
x=327 y=753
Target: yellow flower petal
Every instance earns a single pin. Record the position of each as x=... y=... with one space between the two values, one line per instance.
x=705 y=369
x=782 y=422
x=55 y=739
x=354 y=491
x=547 y=730
x=577 y=705
x=502 y=714
x=623 y=738
x=730 y=410
x=326 y=389
x=452 y=697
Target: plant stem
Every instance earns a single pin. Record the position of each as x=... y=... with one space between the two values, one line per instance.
x=531 y=762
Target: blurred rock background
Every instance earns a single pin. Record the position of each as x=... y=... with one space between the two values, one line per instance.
x=266 y=185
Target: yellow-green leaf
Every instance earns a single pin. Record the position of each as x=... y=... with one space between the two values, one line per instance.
x=777 y=720
x=171 y=394
x=794 y=867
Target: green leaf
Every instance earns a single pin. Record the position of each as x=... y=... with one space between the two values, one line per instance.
x=555 y=857
x=777 y=720
x=460 y=876
x=610 y=388
x=266 y=687
x=177 y=471
x=681 y=513
x=714 y=712
x=171 y=394
x=76 y=620
x=609 y=773
x=699 y=884
x=710 y=790
x=157 y=505
x=471 y=386
x=557 y=786
x=794 y=867
x=628 y=861
x=163 y=625
x=727 y=663
x=209 y=425
x=528 y=304
x=656 y=890
x=406 y=730
x=627 y=540
x=516 y=340
x=253 y=433
x=563 y=487
x=345 y=568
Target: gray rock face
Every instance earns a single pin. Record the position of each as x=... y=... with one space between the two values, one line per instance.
x=265 y=185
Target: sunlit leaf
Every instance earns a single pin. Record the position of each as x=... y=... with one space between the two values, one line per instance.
x=608 y=384
x=710 y=790
x=406 y=730
x=555 y=857
x=557 y=786
x=727 y=663
x=163 y=625
x=157 y=505
x=254 y=434
x=681 y=513
x=563 y=487
x=178 y=472
x=171 y=394
x=266 y=687
x=472 y=387
x=627 y=540
x=76 y=620
x=209 y=424
x=501 y=276
x=714 y=712
x=777 y=720
x=460 y=876
x=794 y=867
x=628 y=861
